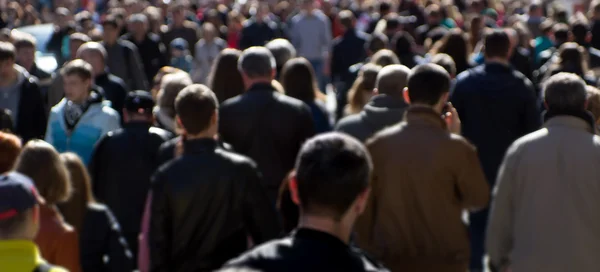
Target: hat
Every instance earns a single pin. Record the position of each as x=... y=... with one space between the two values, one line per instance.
x=490 y=12
x=17 y=194
x=179 y=44
x=139 y=101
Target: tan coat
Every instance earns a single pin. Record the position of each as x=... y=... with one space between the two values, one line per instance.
x=424 y=178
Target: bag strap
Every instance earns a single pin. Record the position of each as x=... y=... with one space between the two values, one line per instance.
x=43 y=267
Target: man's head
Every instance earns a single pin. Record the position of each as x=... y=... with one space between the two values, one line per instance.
x=535 y=10
x=94 y=54
x=19 y=207
x=385 y=8
x=138 y=107
x=256 y=64
x=77 y=77
x=347 y=19
x=446 y=62
x=197 y=111
x=62 y=18
x=307 y=5
x=428 y=85
x=376 y=42
x=25 y=45
x=392 y=79
x=111 y=29
x=282 y=51
x=332 y=178
x=209 y=31
x=171 y=86
x=580 y=30
x=561 y=34
x=7 y=59
x=137 y=24
x=497 y=45
x=76 y=40
x=434 y=15
x=85 y=21
x=565 y=92
x=177 y=11
x=384 y=58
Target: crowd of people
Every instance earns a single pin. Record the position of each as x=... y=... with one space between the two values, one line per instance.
x=200 y=136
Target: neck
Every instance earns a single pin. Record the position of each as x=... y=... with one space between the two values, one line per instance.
x=82 y=100
x=326 y=224
x=202 y=135
x=437 y=108
x=110 y=42
x=9 y=79
x=497 y=60
x=253 y=81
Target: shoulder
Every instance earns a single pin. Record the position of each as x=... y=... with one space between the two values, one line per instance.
x=527 y=140
x=348 y=122
x=261 y=255
x=116 y=80
x=459 y=143
x=154 y=37
x=58 y=108
x=384 y=135
x=236 y=159
x=108 y=111
x=127 y=44
x=159 y=132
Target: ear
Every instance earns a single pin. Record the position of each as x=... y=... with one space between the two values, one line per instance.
x=293 y=184
x=375 y=91
x=405 y=95
x=180 y=124
x=362 y=200
x=214 y=119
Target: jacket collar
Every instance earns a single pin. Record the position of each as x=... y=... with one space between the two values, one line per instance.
x=261 y=87
x=496 y=67
x=137 y=125
x=199 y=146
x=424 y=115
x=582 y=120
x=322 y=237
x=387 y=101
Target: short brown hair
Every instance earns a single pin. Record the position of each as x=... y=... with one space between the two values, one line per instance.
x=79 y=37
x=10 y=147
x=7 y=51
x=593 y=105
x=195 y=105
x=41 y=162
x=77 y=67
x=24 y=40
x=74 y=210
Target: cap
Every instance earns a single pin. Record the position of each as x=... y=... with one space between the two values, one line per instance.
x=17 y=194
x=179 y=44
x=139 y=101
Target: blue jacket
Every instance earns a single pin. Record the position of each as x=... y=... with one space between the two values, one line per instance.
x=98 y=120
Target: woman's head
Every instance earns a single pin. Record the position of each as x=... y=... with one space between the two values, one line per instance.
x=384 y=58
x=454 y=44
x=403 y=43
x=171 y=85
x=157 y=82
x=74 y=209
x=225 y=79
x=298 y=79
x=362 y=89
x=10 y=147
x=41 y=162
x=571 y=58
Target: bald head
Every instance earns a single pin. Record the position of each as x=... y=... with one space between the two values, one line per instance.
x=392 y=79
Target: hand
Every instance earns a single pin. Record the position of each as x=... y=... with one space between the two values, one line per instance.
x=452 y=119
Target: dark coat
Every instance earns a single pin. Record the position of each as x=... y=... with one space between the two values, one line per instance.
x=204 y=205
x=121 y=167
x=32 y=119
x=496 y=105
x=257 y=34
x=347 y=50
x=166 y=152
x=101 y=236
x=153 y=53
x=114 y=90
x=381 y=112
x=306 y=250
x=268 y=127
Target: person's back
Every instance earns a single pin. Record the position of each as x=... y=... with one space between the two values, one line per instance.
x=549 y=178
x=347 y=49
x=206 y=202
x=135 y=147
x=263 y=124
x=424 y=177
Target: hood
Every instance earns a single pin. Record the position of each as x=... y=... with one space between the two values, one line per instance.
x=383 y=110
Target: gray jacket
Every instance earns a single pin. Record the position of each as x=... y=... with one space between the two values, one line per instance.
x=124 y=62
x=545 y=216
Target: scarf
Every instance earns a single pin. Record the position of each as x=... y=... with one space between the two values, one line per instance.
x=583 y=114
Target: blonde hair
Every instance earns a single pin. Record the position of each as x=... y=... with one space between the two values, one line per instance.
x=365 y=82
x=74 y=210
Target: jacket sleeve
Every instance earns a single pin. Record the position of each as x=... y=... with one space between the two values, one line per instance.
x=120 y=257
x=96 y=167
x=160 y=232
x=470 y=180
x=112 y=123
x=38 y=119
x=499 y=240
x=48 y=138
x=137 y=71
x=532 y=114
x=143 y=260
x=67 y=254
x=365 y=224
x=260 y=216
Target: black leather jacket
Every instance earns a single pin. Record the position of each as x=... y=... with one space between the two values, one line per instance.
x=121 y=167
x=205 y=204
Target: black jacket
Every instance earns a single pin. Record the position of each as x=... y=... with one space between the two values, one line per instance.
x=100 y=237
x=381 y=112
x=257 y=34
x=305 y=250
x=166 y=152
x=153 y=53
x=121 y=167
x=496 y=105
x=347 y=50
x=114 y=90
x=268 y=127
x=31 y=116
x=204 y=205
x=521 y=60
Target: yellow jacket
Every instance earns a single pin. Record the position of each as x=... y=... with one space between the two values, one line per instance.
x=22 y=256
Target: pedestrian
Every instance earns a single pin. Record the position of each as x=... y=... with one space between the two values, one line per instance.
x=259 y=29
x=153 y=51
x=282 y=51
x=249 y=124
x=164 y=111
x=497 y=105
x=181 y=57
x=209 y=201
x=593 y=105
x=403 y=44
x=20 y=207
x=558 y=161
x=157 y=81
x=57 y=240
x=83 y=116
x=10 y=147
x=331 y=185
x=299 y=81
x=384 y=109
x=99 y=231
x=347 y=49
x=123 y=58
x=20 y=93
x=456 y=45
x=135 y=146
x=225 y=80
x=25 y=48
x=113 y=88
x=179 y=26
x=425 y=176
x=207 y=50
x=362 y=90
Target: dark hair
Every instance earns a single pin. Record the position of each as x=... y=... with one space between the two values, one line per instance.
x=24 y=41
x=225 y=79
x=561 y=33
x=6 y=121
x=571 y=59
x=331 y=171
x=385 y=6
x=446 y=62
x=376 y=42
x=427 y=83
x=111 y=20
x=7 y=51
x=580 y=30
x=346 y=18
x=77 y=67
x=195 y=105
x=403 y=43
x=384 y=58
x=75 y=208
x=497 y=44
x=565 y=92
x=10 y=148
x=256 y=62
x=455 y=44
x=298 y=79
